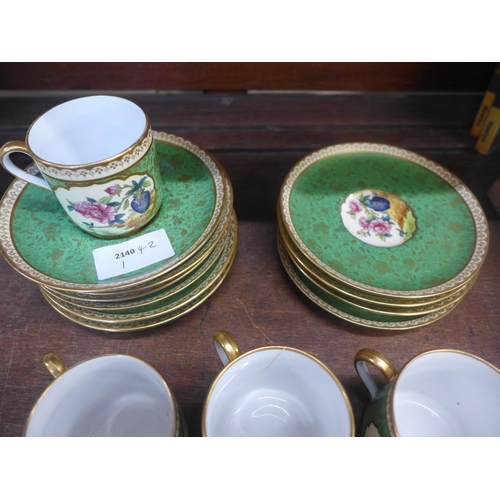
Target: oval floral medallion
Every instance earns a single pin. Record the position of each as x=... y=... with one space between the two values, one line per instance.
x=378 y=218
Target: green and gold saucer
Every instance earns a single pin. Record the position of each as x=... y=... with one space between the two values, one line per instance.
x=133 y=326
x=350 y=312
x=40 y=242
x=170 y=276
x=384 y=222
x=181 y=301
x=149 y=299
x=376 y=303
x=385 y=310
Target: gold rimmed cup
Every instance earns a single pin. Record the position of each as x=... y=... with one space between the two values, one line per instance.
x=442 y=392
x=112 y=395
x=274 y=391
x=97 y=156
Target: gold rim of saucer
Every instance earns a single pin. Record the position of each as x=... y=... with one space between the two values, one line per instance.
x=481 y=244
x=142 y=300
x=423 y=320
x=146 y=324
x=7 y=247
x=452 y=300
x=157 y=285
x=124 y=320
x=387 y=307
x=361 y=295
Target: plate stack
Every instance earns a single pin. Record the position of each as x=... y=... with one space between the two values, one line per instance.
x=39 y=241
x=380 y=236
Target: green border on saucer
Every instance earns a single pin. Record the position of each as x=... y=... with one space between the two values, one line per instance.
x=40 y=241
x=185 y=305
x=352 y=313
x=182 y=294
x=447 y=248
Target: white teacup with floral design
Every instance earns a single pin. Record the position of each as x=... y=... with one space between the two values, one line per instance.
x=442 y=392
x=97 y=155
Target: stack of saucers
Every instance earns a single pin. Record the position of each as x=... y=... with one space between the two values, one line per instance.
x=380 y=236
x=40 y=242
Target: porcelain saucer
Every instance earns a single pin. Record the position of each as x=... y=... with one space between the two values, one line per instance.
x=40 y=242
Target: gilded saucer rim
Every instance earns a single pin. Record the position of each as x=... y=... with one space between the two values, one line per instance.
x=126 y=318
x=17 y=187
x=453 y=299
x=482 y=231
x=147 y=324
x=371 y=301
x=423 y=320
x=161 y=294
x=168 y=278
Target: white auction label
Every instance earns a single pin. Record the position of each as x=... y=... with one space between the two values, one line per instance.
x=132 y=254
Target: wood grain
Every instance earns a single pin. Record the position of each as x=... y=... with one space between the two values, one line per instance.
x=416 y=76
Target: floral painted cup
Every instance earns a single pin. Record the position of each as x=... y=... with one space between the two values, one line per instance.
x=274 y=391
x=97 y=155
x=442 y=392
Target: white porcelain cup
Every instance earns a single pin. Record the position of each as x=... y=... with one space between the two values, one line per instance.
x=273 y=392
x=97 y=155
x=442 y=392
x=107 y=396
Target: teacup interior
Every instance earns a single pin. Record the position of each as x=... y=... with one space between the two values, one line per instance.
x=86 y=130
x=106 y=396
x=447 y=394
x=277 y=392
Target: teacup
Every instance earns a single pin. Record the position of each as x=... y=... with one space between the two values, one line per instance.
x=274 y=391
x=441 y=392
x=97 y=155
x=108 y=396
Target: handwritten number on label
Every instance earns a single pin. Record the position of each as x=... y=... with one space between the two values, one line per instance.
x=131 y=255
x=131 y=251
x=150 y=245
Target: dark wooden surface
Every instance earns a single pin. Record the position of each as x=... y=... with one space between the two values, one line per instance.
x=258 y=138
x=372 y=76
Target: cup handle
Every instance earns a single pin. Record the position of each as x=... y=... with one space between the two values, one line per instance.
x=54 y=364
x=8 y=164
x=379 y=361
x=226 y=347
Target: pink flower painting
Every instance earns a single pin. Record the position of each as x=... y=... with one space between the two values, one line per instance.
x=354 y=207
x=364 y=223
x=380 y=227
x=121 y=201
x=112 y=189
x=97 y=211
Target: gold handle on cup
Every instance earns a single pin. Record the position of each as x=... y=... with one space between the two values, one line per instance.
x=19 y=147
x=379 y=361
x=226 y=347
x=54 y=364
